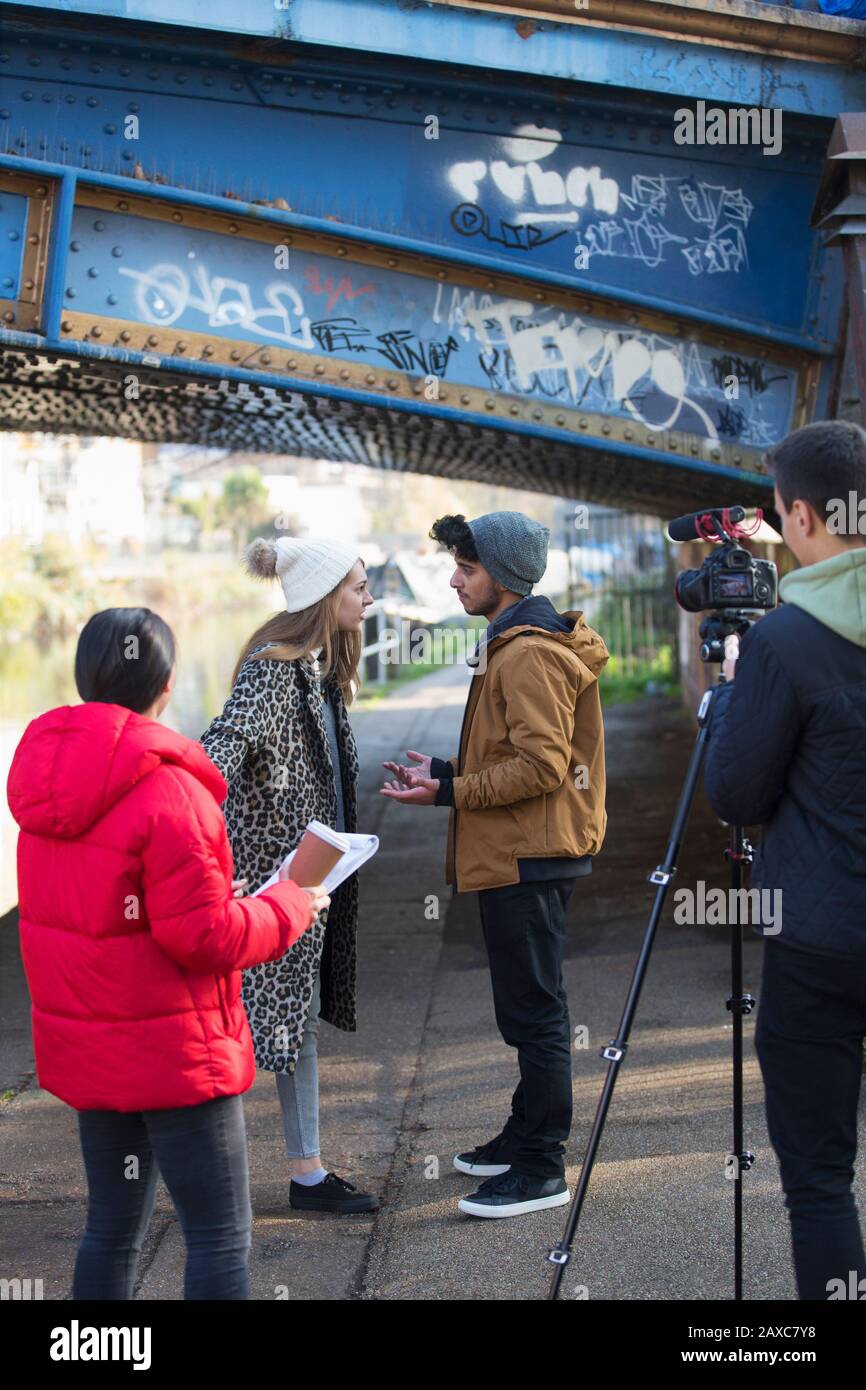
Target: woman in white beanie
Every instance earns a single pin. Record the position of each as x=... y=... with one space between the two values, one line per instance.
x=285 y=747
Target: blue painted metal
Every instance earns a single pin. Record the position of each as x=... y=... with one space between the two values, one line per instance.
x=13 y=224
x=193 y=281
x=648 y=221
x=823 y=279
x=494 y=42
x=559 y=185
x=58 y=250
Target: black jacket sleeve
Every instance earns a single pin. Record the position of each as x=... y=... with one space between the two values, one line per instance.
x=756 y=723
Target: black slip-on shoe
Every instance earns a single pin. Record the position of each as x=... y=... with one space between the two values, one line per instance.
x=515 y=1193
x=486 y=1161
x=331 y=1194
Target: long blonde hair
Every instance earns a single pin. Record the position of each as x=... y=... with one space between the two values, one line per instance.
x=293 y=635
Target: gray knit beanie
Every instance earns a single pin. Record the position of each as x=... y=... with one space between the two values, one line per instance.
x=512 y=548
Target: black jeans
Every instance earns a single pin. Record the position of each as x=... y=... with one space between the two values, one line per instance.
x=809 y=1040
x=524 y=932
x=201 y=1151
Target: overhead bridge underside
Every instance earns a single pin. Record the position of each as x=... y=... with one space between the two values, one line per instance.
x=48 y=392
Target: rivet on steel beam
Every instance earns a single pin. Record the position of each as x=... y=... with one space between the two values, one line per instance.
x=392 y=383
x=627 y=434
x=715 y=454
x=234 y=355
x=28 y=285
x=539 y=296
x=538 y=414
x=583 y=422
x=123 y=205
x=514 y=409
x=177 y=217
x=441 y=274
x=587 y=308
x=207 y=350
x=605 y=429
x=464 y=399
x=233 y=226
x=319 y=369
x=266 y=358
x=443 y=395
x=694 y=448
x=41 y=190
x=152 y=340
x=738 y=458
x=650 y=439
x=291 y=364
x=125 y=336
x=673 y=443
x=391 y=261
x=341 y=251
x=96 y=331
x=369 y=378
x=344 y=375
x=633 y=319
x=491 y=284
x=560 y=419
x=66 y=326
x=181 y=346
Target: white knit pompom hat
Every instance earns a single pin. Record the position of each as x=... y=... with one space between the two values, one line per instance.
x=306 y=568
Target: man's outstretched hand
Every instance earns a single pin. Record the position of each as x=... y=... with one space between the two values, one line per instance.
x=418 y=791
x=404 y=774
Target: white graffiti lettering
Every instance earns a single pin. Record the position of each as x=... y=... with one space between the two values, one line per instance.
x=164 y=293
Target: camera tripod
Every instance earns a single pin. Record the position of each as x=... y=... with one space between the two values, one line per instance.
x=714 y=628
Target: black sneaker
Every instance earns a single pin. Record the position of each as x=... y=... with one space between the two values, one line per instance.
x=331 y=1194
x=514 y=1194
x=487 y=1161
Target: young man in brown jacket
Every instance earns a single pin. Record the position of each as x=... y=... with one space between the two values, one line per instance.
x=526 y=792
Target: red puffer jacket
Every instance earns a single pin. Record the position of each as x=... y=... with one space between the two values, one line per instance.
x=131 y=941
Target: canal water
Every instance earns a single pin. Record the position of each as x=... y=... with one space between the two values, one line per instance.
x=35 y=677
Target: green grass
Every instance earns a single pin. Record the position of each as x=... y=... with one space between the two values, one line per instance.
x=620 y=686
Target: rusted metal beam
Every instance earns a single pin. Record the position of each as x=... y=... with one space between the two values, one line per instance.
x=758 y=28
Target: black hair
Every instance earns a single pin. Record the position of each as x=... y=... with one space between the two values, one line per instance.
x=820 y=463
x=124 y=657
x=455 y=534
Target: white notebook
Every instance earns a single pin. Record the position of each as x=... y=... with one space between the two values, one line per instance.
x=357 y=849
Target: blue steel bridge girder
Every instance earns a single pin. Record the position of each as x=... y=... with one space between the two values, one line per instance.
x=731 y=51
x=403 y=301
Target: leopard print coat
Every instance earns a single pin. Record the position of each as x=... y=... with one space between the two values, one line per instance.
x=271 y=745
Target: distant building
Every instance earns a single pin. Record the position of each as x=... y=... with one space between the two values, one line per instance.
x=82 y=489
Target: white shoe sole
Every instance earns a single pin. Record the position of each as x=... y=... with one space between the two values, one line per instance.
x=481 y=1170
x=558 y=1199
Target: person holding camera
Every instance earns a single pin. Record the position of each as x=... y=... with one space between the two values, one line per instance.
x=133 y=937
x=526 y=793
x=787 y=751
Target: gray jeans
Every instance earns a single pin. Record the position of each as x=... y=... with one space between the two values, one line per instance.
x=299 y=1092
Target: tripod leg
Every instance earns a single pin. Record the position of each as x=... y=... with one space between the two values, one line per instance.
x=614 y=1053
x=739 y=1004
